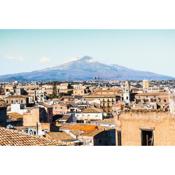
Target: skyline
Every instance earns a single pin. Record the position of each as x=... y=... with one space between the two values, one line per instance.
x=28 y=50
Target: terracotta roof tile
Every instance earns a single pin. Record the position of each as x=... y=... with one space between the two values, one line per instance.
x=14 y=138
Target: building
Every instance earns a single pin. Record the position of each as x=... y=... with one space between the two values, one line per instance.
x=89 y=114
x=20 y=91
x=36 y=115
x=65 y=88
x=48 y=89
x=145 y=84
x=78 y=90
x=126 y=93
x=106 y=97
x=160 y=98
x=145 y=128
x=18 y=108
x=39 y=118
x=20 y=99
x=100 y=137
x=172 y=103
x=40 y=95
x=59 y=108
x=90 y=135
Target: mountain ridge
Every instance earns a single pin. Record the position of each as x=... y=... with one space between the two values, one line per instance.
x=85 y=68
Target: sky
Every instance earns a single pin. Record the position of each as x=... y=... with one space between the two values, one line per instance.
x=27 y=50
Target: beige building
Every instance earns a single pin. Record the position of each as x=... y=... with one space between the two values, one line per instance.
x=63 y=88
x=79 y=90
x=38 y=115
x=48 y=89
x=160 y=98
x=146 y=84
x=145 y=128
x=107 y=98
x=16 y=99
x=59 y=108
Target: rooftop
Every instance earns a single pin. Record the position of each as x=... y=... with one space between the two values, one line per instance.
x=17 y=96
x=92 y=110
x=79 y=127
x=14 y=116
x=146 y=115
x=14 y=138
x=153 y=94
x=59 y=136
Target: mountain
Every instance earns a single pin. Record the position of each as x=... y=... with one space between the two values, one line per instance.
x=84 y=69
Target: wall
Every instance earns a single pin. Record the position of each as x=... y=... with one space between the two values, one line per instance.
x=163 y=125
x=32 y=118
x=89 y=116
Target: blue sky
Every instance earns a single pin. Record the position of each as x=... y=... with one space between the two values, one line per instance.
x=27 y=50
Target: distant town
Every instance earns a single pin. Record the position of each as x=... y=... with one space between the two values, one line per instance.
x=87 y=113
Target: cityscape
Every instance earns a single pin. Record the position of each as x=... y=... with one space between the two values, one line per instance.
x=85 y=101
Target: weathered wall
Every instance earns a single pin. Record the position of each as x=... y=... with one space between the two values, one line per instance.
x=163 y=125
x=32 y=118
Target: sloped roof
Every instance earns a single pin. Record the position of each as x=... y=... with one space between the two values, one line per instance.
x=14 y=138
x=59 y=136
x=14 y=116
x=92 y=110
x=79 y=127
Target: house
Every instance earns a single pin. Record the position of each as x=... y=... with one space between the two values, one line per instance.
x=89 y=114
x=48 y=89
x=90 y=135
x=40 y=118
x=65 y=88
x=161 y=99
x=40 y=95
x=20 y=99
x=100 y=137
x=107 y=98
x=78 y=90
x=59 y=108
x=18 y=108
x=36 y=115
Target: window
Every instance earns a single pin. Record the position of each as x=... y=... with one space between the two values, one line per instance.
x=119 y=138
x=147 y=137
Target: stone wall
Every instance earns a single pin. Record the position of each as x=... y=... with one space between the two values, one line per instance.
x=162 y=124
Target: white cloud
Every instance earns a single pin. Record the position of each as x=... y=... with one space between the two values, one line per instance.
x=15 y=58
x=45 y=60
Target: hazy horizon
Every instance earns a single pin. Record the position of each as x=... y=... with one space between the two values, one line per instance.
x=30 y=50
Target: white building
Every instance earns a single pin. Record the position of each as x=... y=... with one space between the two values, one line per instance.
x=89 y=114
x=126 y=93
x=18 y=108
